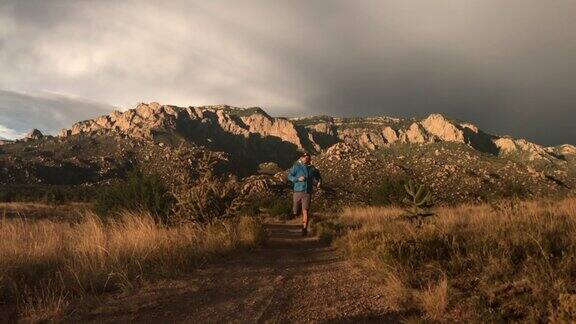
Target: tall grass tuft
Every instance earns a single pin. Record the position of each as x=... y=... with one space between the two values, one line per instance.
x=434 y=300
x=44 y=264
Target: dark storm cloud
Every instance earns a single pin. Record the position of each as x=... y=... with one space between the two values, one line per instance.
x=508 y=66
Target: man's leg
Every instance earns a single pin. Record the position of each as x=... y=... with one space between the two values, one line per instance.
x=296 y=204
x=305 y=209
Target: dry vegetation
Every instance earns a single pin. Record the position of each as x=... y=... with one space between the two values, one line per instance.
x=46 y=264
x=511 y=261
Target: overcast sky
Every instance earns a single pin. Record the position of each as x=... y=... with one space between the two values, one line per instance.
x=508 y=66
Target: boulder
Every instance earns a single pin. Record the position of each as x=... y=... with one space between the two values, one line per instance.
x=390 y=135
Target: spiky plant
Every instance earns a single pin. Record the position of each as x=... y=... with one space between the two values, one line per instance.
x=419 y=201
x=208 y=197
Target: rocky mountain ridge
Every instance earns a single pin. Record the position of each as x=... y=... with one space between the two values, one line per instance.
x=457 y=160
x=205 y=124
x=145 y=118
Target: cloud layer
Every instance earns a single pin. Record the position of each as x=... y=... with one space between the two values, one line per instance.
x=508 y=66
x=48 y=112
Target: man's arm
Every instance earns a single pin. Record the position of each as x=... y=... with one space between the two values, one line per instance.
x=292 y=174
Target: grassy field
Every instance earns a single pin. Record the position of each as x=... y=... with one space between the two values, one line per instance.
x=46 y=264
x=512 y=261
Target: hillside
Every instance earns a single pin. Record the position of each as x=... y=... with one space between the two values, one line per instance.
x=457 y=160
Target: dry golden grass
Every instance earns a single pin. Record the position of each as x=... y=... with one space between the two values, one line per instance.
x=434 y=300
x=510 y=261
x=398 y=295
x=45 y=264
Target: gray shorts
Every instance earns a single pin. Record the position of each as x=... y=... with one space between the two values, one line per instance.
x=301 y=199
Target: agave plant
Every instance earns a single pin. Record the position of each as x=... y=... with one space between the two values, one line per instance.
x=419 y=201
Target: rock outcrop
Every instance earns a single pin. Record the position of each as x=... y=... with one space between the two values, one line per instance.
x=33 y=135
x=390 y=135
x=444 y=130
x=414 y=134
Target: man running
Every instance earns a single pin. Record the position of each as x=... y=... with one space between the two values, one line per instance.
x=303 y=175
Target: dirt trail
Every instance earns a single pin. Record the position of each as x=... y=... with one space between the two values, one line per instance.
x=291 y=279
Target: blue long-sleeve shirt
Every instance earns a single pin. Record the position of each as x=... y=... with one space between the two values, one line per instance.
x=309 y=172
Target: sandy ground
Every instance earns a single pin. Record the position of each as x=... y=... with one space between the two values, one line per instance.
x=291 y=279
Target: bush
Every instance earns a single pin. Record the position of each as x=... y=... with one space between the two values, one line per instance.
x=50 y=194
x=514 y=190
x=389 y=192
x=274 y=206
x=250 y=207
x=207 y=198
x=6 y=196
x=139 y=192
x=54 y=196
x=280 y=207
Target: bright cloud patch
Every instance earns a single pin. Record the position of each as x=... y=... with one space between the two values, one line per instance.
x=10 y=134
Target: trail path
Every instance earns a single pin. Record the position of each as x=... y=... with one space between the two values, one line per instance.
x=291 y=279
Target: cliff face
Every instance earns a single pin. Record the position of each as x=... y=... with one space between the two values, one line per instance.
x=252 y=134
x=146 y=118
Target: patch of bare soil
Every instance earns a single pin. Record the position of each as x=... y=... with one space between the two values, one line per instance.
x=291 y=279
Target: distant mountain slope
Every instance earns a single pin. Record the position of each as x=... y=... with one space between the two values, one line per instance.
x=458 y=160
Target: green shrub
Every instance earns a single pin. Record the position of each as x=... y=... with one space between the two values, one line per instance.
x=6 y=196
x=280 y=207
x=139 y=192
x=251 y=207
x=274 y=206
x=389 y=192
x=514 y=190
x=50 y=194
x=54 y=196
